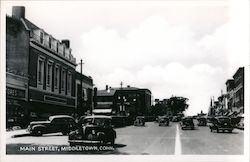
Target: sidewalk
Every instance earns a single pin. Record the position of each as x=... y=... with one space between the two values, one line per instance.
x=11 y=133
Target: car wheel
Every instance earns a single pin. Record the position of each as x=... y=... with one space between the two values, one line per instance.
x=230 y=131
x=218 y=130
x=64 y=132
x=72 y=144
x=112 y=142
x=38 y=133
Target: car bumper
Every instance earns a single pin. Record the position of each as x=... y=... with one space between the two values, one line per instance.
x=84 y=141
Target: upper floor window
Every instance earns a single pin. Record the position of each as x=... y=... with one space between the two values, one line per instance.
x=41 y=37
x=57 y=47
x=49 y=74
x=56 y=75
x=50 y=40
x=40 y=70
x=63 y=80
x=69 y=82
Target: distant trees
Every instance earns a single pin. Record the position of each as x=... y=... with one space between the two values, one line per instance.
x=177 y=104
x=174 y=105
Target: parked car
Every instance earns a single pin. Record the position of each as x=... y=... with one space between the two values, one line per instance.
x=187 y=122
x=54 y=124
x=176 y=119
x=93 y=129
x=164 y=121
x=202 y=121
x=139 y=121
x=221 y=123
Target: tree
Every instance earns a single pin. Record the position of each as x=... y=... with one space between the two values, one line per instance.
x=177 y=104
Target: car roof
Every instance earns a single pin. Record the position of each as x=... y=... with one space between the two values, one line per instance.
x=98 y=116
x=60 y=116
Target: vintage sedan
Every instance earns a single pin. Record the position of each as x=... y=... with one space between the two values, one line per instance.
x=187 y=123
x=96 y=129
x=202 y=121
x=164 y=121
x=54 y=124
x=139 y=121
x=221 y=123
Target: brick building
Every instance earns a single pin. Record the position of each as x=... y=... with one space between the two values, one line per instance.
x=124 y=101
x=40 y=74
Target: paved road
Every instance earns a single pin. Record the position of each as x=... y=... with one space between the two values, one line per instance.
x=151 y=139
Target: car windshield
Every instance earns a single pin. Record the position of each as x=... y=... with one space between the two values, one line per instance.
x=102 y=121
x=224 y=120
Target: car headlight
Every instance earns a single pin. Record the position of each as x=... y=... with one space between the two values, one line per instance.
x=93 y=131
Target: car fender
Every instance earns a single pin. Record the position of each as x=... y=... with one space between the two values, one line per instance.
x=38 y=127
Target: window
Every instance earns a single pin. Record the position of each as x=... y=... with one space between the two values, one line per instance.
x=57 y=46
x=40 y=71
x=41 y=37
x=50 y=42
x=56 y=75
x=69 y=82
x=63 y=80
x=63 y=50
x=49 y=74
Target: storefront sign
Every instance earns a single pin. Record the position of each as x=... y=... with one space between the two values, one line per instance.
x=13 y=92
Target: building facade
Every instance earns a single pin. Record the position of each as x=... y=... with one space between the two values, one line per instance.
x=125 y=101
x=239 y=91
x=41 y=79
x=84 y=91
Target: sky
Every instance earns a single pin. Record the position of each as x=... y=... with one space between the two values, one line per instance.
x=176 y=48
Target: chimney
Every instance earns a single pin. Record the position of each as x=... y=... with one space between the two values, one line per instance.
x=18 y=12
x=66 y=42
x=107 y=87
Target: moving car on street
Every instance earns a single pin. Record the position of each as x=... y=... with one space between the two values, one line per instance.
x=164 y=121
x=93 y=129
x=187 y=123
x=221 y=123
x=176 y=119
x=139 y=121
x=57 y=123
x=202 y=121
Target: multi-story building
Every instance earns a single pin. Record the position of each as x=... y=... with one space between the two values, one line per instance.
x=230 y=94
x=40 y=73
x=239 y=91
x=84 y=91
x=124 y=101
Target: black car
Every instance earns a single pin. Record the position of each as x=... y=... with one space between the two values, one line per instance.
x=139 y=121
x=187 y=123
x=202 y=121
x=164 y=121
x=176 y=119
x=54 y=124
x=221 y=123
x=93 y=129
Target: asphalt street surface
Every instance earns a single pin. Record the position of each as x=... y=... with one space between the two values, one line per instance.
x=132 y=140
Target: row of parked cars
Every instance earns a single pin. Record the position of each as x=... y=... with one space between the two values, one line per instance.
x=89 y=129
x=219 y=123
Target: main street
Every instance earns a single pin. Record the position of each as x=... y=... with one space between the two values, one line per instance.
x=148 y=140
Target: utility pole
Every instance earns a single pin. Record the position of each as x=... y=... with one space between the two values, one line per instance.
x=81 y=103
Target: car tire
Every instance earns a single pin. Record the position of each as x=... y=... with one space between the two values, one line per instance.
x=72 y=144
x=112 y=142
x=38 y=133
x=218 y=130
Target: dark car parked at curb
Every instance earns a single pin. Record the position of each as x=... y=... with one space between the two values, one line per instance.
x=56 y=123
x=96 y=129
x=202 y=121
x=187 y=123
x=164 y=121
x=139 y=121
x=221 y=123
